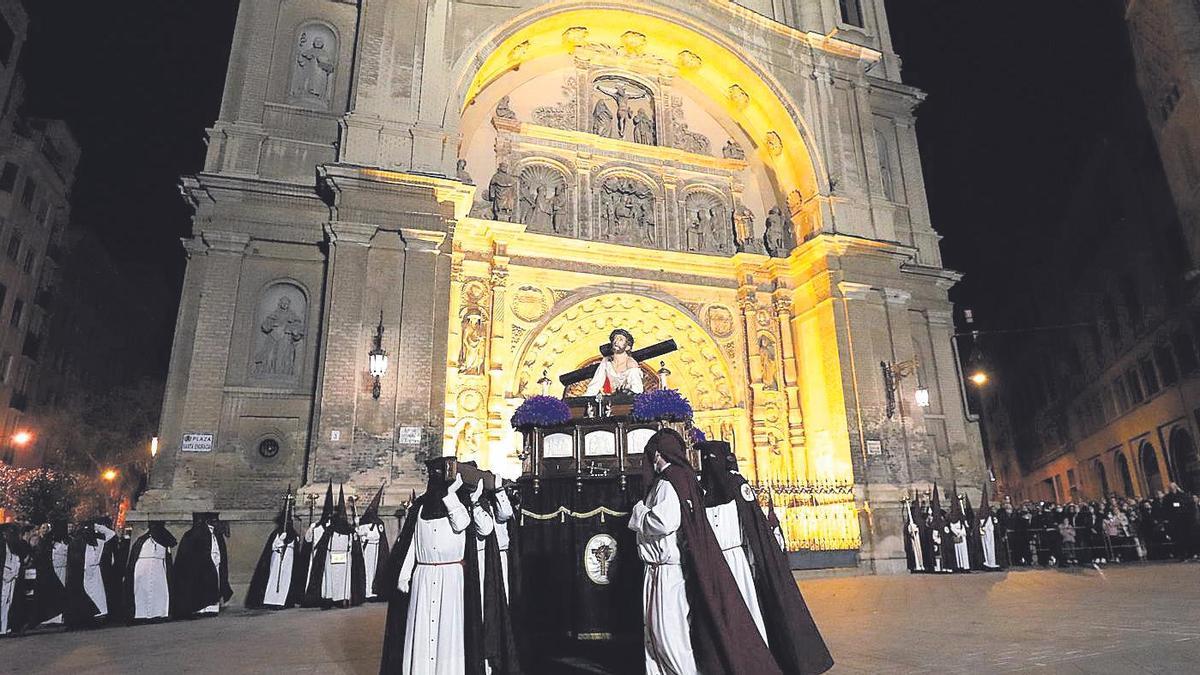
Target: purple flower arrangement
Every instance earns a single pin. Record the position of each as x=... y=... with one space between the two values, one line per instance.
x=540 y=411
x=662 y=404
x=696 y=436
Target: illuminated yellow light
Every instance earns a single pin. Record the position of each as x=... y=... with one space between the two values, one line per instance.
x=154 y=446
x=109 y=475
x=22 y=437
x=979 y=378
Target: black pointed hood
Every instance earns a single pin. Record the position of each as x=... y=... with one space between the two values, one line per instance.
x=341 y=522
x=371 y=515
x=720 y=486
x=327 y=507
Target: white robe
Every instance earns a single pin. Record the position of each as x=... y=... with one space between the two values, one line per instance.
x=664 y=598
x=914 y=537
x=370 y=535
x=504 y=513
x=8 y=585
x=987 y=533
x=93 y=580
x=279 y=581
x=962 y=558
x=728 y=528
x=630 y=380
x=335 y=585
x=312 y=536
x=58 y=560
x=485 y=524
x=151 y=594
x=433 y=575
x=214 y=554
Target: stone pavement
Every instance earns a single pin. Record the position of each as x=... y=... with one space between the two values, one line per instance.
x=1132 y=619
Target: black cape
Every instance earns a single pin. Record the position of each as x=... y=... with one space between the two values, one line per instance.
x=792 y=634
x=499 y=639
x=49 y=593
x=18 y=609
x=112 y=569
x=262 y=573
x=313 y=596
x=197 y=584
x=392 y=661
x=376 y=583
x=724 y=636
x=129 y=591
x=78 y=611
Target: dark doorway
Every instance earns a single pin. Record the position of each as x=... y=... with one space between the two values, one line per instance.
x=1101 y=478
x=1125 y=475
x=1185 y=464
x=1149 y=462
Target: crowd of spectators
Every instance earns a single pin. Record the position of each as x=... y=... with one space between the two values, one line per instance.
x=1097 y=532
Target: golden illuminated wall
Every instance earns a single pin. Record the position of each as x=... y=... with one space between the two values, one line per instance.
x=758 y=355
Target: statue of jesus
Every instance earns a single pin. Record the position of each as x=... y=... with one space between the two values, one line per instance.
x=619 y=371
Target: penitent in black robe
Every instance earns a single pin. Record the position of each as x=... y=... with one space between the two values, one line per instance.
x=499 y=639
x=792 y=634
x=129 y=590
x=49 y=592
x=197 y=583
x=313 y=594
x=725 y=639
x=262 y=570
x=78 y=609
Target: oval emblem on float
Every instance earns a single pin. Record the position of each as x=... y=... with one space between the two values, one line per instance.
x=599 y=556
x=747 y=492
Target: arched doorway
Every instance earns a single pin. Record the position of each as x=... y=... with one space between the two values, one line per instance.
x=1125 y=475
x=1101 y=477
x=1185 y=464
x=1149 y=465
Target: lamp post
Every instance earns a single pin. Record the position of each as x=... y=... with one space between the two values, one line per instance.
x=893 y=372
x=377 y=360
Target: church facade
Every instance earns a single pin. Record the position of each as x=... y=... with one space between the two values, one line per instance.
x=484 y=191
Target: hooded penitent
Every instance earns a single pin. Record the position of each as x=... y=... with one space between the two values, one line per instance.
x=150 y=585
x=339 y=524
x=794 y=639
x=499 y=641
x=197 y=583
x=283 y=543
x=14 y=608
x=429 y=506
x=724 y=636
x=370 y=519
x=49 y=589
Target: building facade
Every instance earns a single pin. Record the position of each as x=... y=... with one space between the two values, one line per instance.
x=37 y=168
x=486 y=192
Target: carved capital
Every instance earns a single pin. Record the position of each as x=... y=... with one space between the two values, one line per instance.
x=193 y=246
x=783 y=305
x=855 y=291
x=896 y=296
x=499 y=277
x=358 y=234
x=226 y=242
x=428 y=241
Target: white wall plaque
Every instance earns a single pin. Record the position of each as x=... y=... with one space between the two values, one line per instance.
x=558 y=445
x=408 y=435
x=599 y=444
x=197 y=443
x=335 y=435
x=637 y=439
x=874 y=447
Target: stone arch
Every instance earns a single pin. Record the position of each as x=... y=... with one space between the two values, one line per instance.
x=572 y=333
x=1148 y=463
x=1185 y=463
x=1125 y=474
x=279 y=334
x=710 y=61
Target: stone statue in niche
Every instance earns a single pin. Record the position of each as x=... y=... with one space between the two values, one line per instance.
x=502 y=193
x=540 y=185
x=461 y=173
x=775 y=239
x=282 y=330
x=558 y=209
x=643 y=128
x=695 y=232
x=743 y=229
x=766 y=357
x=626 y=210
x=621 y=95
x=315 y=62
x=733 y=151
x=503 y=111
x=707 y=221
x=885 y=166
x=474 y=338
x=602 y=119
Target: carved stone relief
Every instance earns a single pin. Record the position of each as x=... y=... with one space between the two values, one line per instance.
x=563 y=114
x=743 y=229
x=313 y=66
x=474 y=328
x=776 y=239
x=626 y=211
x=684 y=138
x=732 y=150
x=623 y=109
x=767 y=359
x=502 y=193
x=544 y=202
x=280 y=333
x=720 y=321
x=530 y=303
x=705 y=222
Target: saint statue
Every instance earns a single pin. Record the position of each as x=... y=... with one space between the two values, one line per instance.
x=766 y=356
x=643 y=128
x=558 y=208
x=775 y=234
x=282 y=330
x=622 y=97
x=732 y=150
x=504 y=111
x=314 y=66
x=695 y=232
x=743 y=228
x=474 y=337
x=539 y=208
x=502 y=193
x=618 y=371
x=461 y=173
x=602 y=120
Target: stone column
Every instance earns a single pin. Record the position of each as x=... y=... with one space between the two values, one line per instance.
x=788 y=356
x=494 y=424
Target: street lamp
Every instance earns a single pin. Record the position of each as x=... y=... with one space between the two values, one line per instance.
x=377 y=360
x=893 y=372
x=109 y=475
x=979 y=378
x=22 y=438
x=154 y=447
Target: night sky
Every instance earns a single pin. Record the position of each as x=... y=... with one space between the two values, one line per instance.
x=1018 y=92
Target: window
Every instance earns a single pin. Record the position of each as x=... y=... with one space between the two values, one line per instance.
x=6 y=367
x=1185 y=353
x=28 y=192
x=1073 y=485
x=1135 y=387
x=8 y=177
x=1106 y=400
x=1058 y=488
x=1120 y=396
x=28 y=262
x=852 y=12
x=1148 y=375
x=1166 y=365
x=17 y=310
x=14 y=246
x=3 y=293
